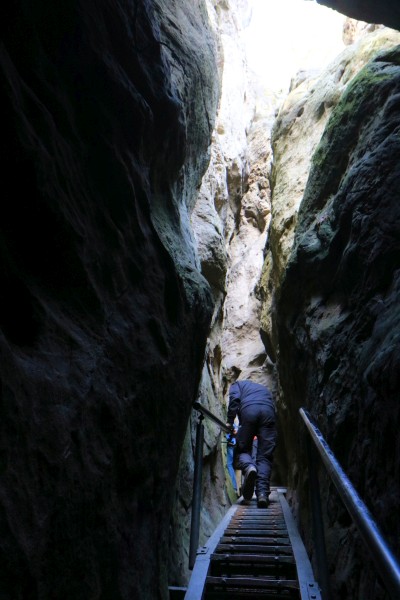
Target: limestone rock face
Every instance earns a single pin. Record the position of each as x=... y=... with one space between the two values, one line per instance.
x=230 y=222
x=107 y=113
x=242 y=348
x=353 y=29
x=337 y=318
x=232 y=214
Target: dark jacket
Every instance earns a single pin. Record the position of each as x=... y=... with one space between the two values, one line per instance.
x=244 y=392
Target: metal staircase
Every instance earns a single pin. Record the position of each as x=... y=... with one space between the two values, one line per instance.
x=258 y=553
x=254 y=553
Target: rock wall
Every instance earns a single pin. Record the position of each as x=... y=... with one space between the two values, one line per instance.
x=107 y=297
x=297 y=131
x=384 y=11
x=107 y=114
x=333 y=317
x=230 y=222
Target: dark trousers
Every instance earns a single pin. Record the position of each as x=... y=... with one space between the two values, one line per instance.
x=229 y=464
x=259 y=420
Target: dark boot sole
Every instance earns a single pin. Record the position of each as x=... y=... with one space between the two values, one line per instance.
x=248 y=485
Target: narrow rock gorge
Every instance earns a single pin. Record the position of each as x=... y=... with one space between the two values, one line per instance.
x=167 y=224
x=230 y=222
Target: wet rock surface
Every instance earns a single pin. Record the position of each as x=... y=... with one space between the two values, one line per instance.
x=107 y=112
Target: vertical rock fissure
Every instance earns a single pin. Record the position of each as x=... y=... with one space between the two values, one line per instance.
x=257 y=215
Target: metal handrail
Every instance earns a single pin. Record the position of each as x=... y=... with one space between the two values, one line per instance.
x=387 y=564
x=197 y=477
x=207 y=413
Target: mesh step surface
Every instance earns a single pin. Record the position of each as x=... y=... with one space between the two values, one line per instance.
x=254 y=557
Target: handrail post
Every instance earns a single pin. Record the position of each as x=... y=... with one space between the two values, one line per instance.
x=317 y=522
x=196 y=502
x=197 y=478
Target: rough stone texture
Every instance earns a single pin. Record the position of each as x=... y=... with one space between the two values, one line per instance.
x=242 y=348
x=386 y=12
x=338 y=318
x=230 y=222
x=353 y=29
x=231 y=216
x=297 y=131
x=107 y=112
x=214 y=220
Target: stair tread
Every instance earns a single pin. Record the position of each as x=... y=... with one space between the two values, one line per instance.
x=257 y=582
x=254 y=549
x=258 y=531
x=261 y=558
x=253 y=558
x=267 y=540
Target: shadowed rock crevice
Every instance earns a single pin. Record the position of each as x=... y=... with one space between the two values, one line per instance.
x=338 y=331
x=104 y=313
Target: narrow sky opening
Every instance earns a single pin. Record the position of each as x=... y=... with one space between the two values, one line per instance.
x=285 y=36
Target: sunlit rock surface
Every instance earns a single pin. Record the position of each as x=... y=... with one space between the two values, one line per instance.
x=297 y=130
x=107 y=114
x=231 y=216
x=336 y=316
x=230 y=222
x=215 y=220
x=353 y=30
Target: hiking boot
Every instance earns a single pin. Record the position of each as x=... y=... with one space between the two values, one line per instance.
x=249 y=482
x=262 y=501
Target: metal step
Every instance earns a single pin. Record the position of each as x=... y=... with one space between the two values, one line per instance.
x=226 y=587
x=283 y=567
x=260 y=538
x=253 y=548
x=254 y=553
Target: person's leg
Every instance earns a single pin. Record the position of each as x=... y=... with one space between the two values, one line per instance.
x=254 y=455
x=229 y=465
x=244 y=440
x=266 y=435
x=244 y=445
